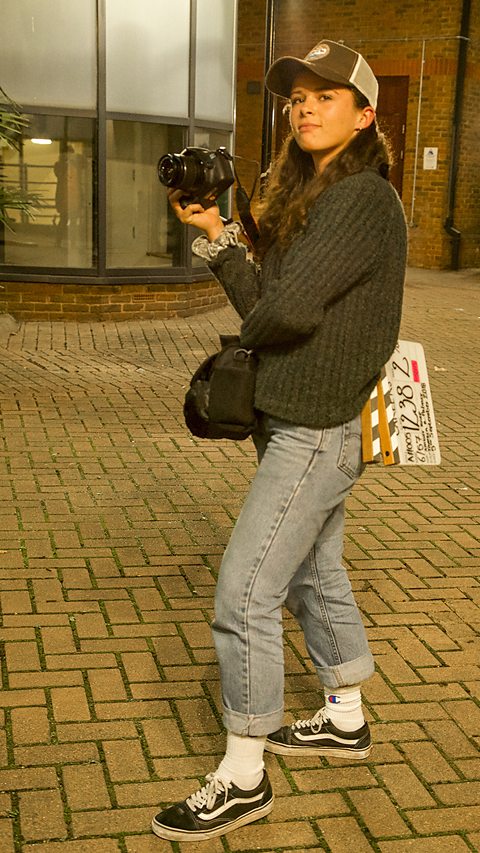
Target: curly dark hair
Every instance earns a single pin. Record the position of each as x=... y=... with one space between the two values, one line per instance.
x=293 y=185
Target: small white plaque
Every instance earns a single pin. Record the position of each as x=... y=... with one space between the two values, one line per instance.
x=430 y=158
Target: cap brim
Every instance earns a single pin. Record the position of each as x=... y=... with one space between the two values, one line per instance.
x=281 y=75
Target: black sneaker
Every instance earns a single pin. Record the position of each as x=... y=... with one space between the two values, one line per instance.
x=319 y=736
x=215 y=809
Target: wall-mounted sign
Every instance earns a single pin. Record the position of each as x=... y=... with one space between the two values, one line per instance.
x=430 y=158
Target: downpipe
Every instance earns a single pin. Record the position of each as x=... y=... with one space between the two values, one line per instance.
x=449 y=223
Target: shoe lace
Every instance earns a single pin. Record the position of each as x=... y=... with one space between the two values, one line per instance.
x=207 y=795
x=315 y=723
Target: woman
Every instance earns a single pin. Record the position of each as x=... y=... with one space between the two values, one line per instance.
x=322 y=311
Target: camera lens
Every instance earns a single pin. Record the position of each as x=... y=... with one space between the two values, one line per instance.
x=171 y=170
x=181 y=171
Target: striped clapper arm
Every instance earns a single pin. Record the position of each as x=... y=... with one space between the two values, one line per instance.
x=379 y=434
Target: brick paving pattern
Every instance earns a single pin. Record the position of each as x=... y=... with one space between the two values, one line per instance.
x=112 y=525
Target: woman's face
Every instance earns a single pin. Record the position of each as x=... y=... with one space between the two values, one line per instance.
x=324 y=117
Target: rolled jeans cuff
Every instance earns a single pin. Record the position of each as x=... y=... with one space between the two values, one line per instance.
x=347 y=674
x=253 y=725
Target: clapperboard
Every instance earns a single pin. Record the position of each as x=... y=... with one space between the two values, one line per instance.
x=398 y=422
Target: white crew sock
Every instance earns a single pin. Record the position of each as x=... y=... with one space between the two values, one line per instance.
x=344 y=708
x=242 y=763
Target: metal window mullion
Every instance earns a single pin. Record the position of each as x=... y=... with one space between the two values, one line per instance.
x=100 y=189
x=189 y=235
x=192 y=71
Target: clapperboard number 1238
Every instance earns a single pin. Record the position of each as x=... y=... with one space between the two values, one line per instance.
x=405 y=394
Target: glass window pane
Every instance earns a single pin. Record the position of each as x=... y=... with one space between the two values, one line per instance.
x=148 y=57
x=142 y=230
x=54 y=161
x=48 y=54
x=214 y=78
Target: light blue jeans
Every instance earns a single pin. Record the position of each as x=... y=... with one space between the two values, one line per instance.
x=286 y=548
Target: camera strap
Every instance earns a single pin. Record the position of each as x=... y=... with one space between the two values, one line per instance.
x=243 y=202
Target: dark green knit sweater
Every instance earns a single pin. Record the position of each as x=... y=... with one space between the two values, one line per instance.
x=324 y=316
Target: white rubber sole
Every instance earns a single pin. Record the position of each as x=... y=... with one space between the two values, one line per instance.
x=334 y=752
x=204 y=835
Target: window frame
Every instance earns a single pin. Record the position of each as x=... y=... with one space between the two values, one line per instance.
x=100 y=272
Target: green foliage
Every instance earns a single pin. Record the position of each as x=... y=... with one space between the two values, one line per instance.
x=12 y=122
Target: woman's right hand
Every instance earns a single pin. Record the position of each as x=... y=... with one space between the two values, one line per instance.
x=207 y=220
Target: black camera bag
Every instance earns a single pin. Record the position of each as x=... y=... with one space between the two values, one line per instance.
x=220 y=400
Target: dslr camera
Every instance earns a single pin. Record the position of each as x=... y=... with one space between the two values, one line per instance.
x=203 y=175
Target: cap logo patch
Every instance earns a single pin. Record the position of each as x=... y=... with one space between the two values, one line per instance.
x=319 y=52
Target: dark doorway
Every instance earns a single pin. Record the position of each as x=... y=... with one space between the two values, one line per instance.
x=392 y=119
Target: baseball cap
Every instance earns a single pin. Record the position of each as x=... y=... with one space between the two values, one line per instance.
x=330 y=60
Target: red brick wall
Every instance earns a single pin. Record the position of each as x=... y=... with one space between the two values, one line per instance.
x=391 y=37
x=39 y=301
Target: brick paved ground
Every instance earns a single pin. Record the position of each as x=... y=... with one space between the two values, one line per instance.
x=112 y=524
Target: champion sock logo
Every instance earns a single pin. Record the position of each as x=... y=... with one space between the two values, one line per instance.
x=335 y=700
